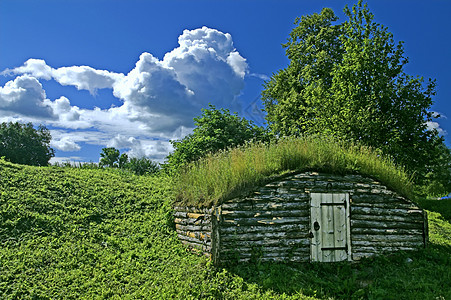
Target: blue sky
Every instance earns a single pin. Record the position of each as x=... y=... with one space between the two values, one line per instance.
x=133 y=74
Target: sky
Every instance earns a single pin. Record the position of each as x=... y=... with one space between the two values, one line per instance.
x=133 y=74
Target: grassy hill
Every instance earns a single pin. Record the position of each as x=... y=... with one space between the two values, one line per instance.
x=72 y=233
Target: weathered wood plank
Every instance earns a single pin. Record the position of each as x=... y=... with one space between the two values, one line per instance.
x=269 y=205
x=384 y=205
x=269 y=221
x=228 y=214
x=387 y=238
x=414 y=218
x=263 y=236
x=263 y=255
x=368 y=198
x=265 y=228
x=267 y=259
x=263 y=197
x=397 y=231
x=386 y=244
x=385 y=211
x=273 y=249
x=355 y=223
x=284 y=242
x=366 y=250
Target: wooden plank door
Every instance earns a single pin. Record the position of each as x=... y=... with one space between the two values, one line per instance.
x=330 y=227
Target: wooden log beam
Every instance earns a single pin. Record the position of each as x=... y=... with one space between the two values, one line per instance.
x=369 y=250
x=414 y=218
x=397 y=231
x=263 y=236
x=264 y=228
x=279 y=259
x=228 y=214
x=384 y=205
x=356 y=223
x=301 y=242
x=386 y=244
x=387 y=238
x=355 y=210
x=271 y=249
x=381 y=199
x=268 y=221
x=269 y=205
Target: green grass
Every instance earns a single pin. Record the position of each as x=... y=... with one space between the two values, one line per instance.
x=221 y=176
x=101 y=234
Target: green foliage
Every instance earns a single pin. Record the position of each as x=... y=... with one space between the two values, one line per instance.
x=215 y=130
x=23 y=144
x=111 y=157
x=72 y=233
x=223 y=175
x=348 y=80
x=440 y=206
x=141 y=166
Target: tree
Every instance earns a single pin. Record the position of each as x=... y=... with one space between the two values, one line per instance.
x=109 y=157
x=348 y=80
x=23 y=144
x=215 y=130
x=112 y=158
x=141 y=166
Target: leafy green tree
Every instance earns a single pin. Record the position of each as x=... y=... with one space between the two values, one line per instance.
x=216 y=129
x=122 y=160
x=141 y=166
x=23 y=144
x=348 y=80
x=109 y=157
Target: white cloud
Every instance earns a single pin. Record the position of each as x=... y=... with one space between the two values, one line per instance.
x=86 y=78
x=435 y=125
x=65 y=144
x=82 y=77
x=25 y=96
x=160 y=98
x=37 y=68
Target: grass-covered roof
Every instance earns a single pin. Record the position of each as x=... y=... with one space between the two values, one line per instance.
x=221 y=176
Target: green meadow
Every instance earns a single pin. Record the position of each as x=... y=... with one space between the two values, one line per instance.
x=72 y=233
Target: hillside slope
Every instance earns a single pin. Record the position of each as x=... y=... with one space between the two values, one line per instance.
x=73 y=233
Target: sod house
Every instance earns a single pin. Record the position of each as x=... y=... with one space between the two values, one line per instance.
x=305 y=216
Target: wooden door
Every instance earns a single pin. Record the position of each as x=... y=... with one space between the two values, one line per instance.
x=330 y=227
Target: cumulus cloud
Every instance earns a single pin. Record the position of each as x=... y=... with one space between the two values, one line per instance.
x=65 y=144
x=25 y=96
x=160 y=97
x=82 y=77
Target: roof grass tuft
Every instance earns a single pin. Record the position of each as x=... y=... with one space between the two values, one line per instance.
x=229 y=173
